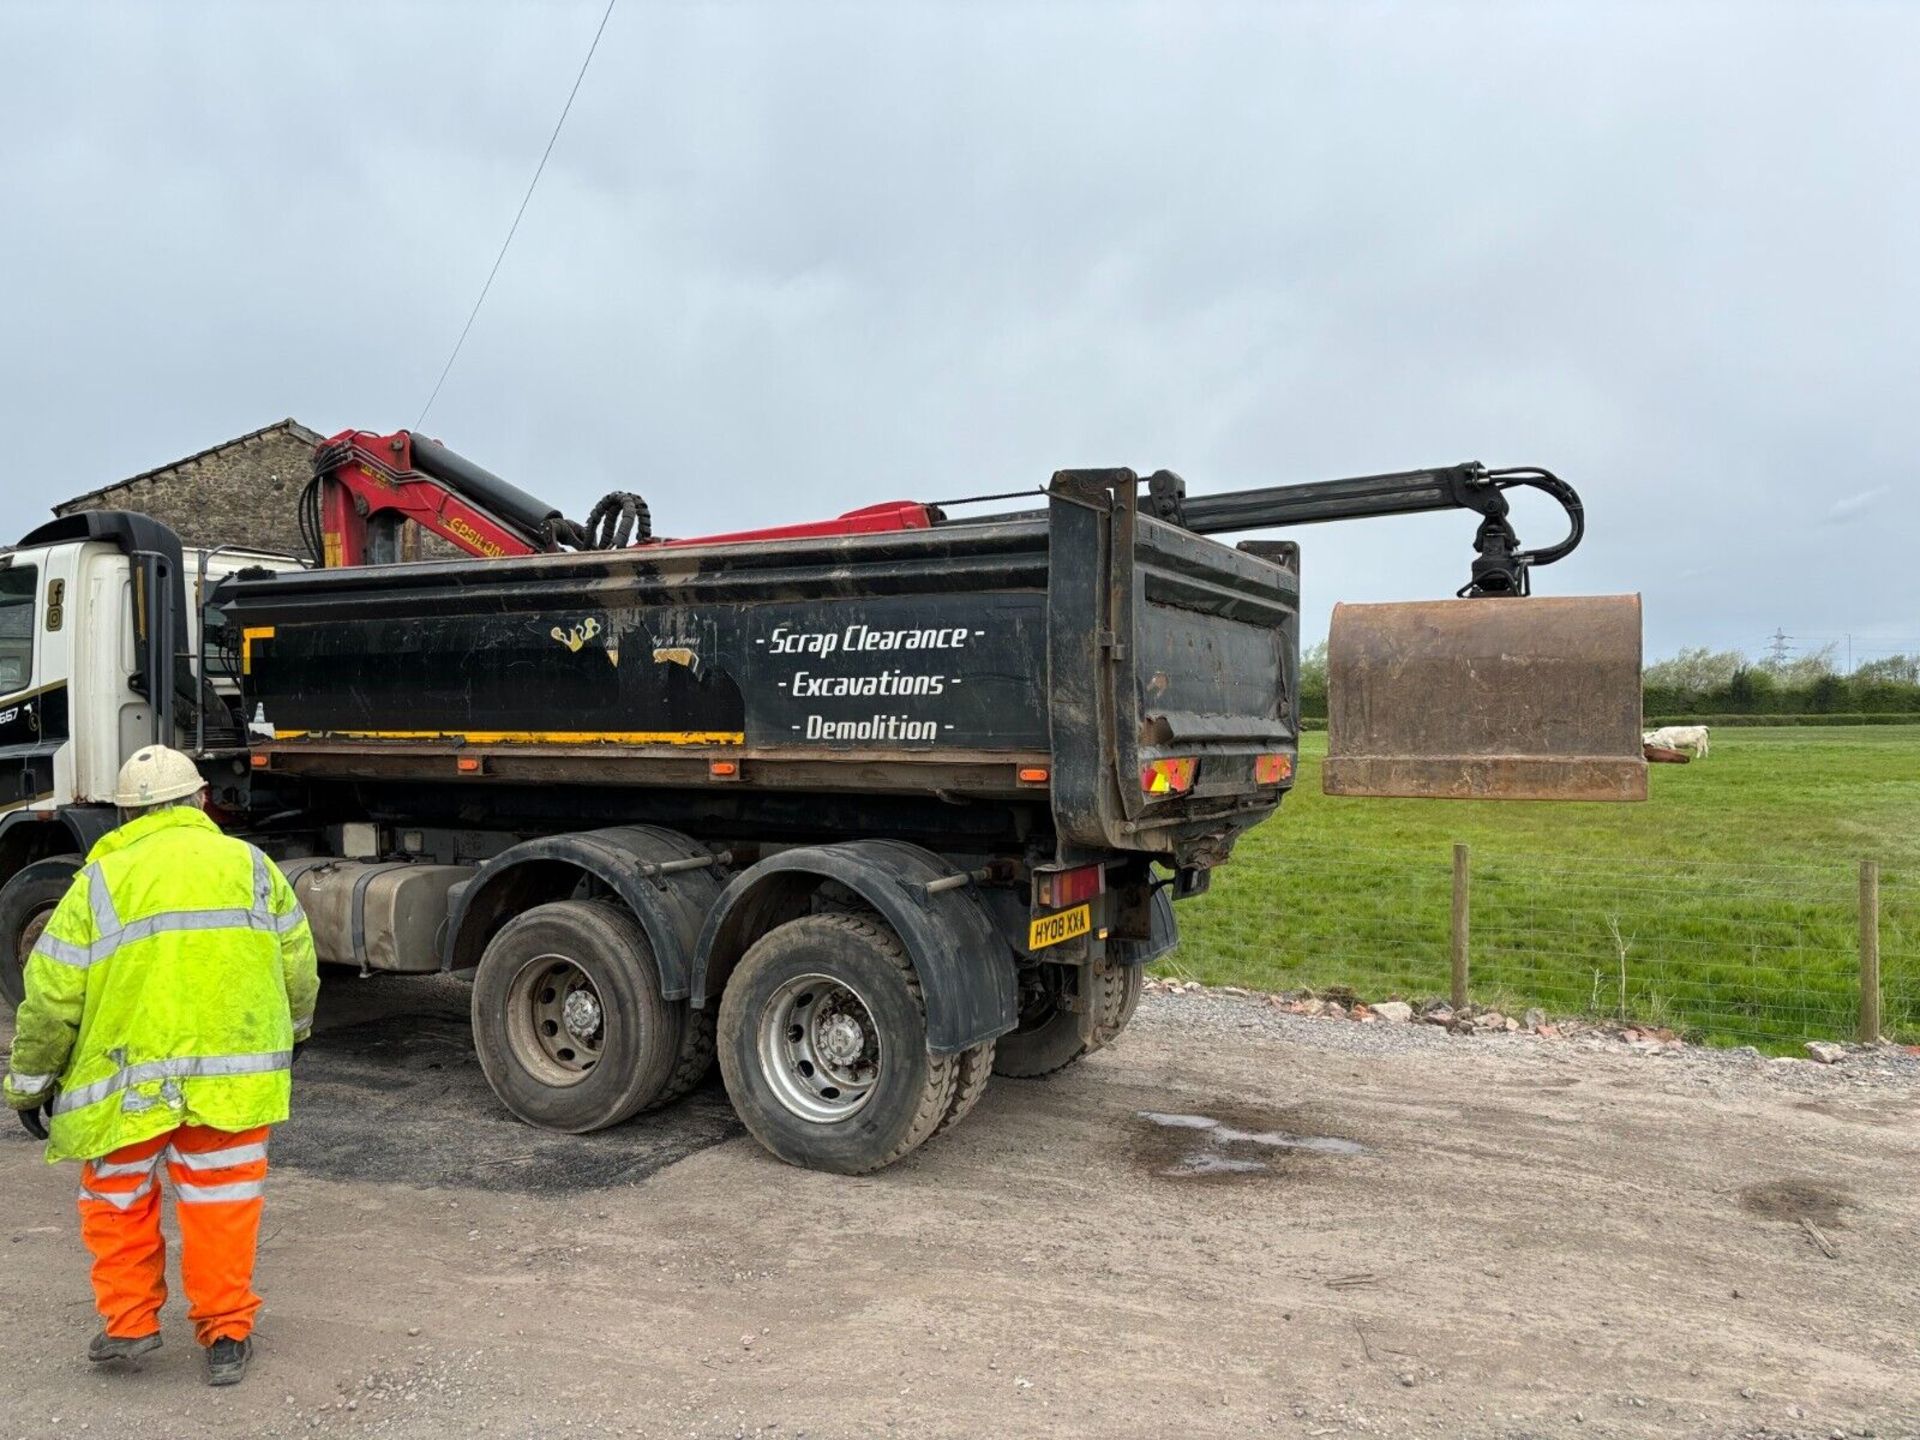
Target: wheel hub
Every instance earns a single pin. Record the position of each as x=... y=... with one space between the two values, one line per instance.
x=556 y=1021
x=842 y=1040
x=581 y=1014
x=820 y=1049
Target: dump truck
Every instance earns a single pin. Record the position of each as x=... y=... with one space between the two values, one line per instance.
x=867 y=809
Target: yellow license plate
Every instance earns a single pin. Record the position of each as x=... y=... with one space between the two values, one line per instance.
x=1061 y=925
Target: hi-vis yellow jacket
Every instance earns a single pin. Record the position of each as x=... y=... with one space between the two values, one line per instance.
x=168 y=989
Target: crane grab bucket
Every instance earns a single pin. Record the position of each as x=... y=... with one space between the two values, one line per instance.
x=1534 y=698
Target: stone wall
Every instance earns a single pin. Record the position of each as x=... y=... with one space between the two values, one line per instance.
x=242 y=493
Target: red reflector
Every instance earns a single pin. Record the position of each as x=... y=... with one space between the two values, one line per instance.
x=1272 y=769
x=1057 y=889
x=1168 y=777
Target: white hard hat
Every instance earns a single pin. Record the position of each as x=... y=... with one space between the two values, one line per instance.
x=155 y=775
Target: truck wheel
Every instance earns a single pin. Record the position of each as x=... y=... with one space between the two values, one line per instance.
x=27 y=902
x=823 y=1044
x=1048 y=1036
x=695 y=1061
x=972 y=1069
x=568 y=1019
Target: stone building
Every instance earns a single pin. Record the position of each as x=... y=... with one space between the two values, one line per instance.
x=240 y=492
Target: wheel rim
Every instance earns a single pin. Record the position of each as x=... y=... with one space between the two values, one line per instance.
x=556 y=1020
x=30 y=936
x=820 y=1049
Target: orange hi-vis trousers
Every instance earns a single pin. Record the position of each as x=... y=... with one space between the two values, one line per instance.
x=218 y=1178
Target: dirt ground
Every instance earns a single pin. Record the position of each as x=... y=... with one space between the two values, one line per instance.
x=1232 y=1223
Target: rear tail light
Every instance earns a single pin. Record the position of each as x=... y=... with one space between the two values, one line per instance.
x=1057 y=889
x=1272 y=769
x=1168 y=777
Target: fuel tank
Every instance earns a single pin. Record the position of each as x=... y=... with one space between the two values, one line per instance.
x=376 y=915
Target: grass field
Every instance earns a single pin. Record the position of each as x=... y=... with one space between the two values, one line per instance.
x=1725 y=906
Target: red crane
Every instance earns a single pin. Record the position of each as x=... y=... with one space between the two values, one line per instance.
x=366 y=486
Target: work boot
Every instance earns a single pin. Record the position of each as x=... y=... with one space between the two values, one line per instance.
x=227 y=1361
x=105 y=1347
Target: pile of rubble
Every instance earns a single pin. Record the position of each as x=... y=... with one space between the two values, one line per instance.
x=1340 y=1002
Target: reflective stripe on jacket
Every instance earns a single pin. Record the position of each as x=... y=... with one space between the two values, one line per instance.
x=168 y=989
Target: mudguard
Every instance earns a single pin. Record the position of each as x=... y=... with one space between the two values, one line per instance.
x=966 y=970
x=29 y=835
x=1164 y=934
x=670 y=907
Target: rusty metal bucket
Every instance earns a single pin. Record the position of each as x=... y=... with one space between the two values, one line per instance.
x=1534 y=698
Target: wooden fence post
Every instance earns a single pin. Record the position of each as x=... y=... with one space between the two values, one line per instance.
x=1870 y=951
x=1460 y=888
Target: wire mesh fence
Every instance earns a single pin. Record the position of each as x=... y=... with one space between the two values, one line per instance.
x=1761 y=954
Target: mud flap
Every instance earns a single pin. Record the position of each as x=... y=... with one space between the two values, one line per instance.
x=1534 y=698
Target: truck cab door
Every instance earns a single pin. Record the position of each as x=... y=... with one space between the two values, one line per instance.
x=36 y=613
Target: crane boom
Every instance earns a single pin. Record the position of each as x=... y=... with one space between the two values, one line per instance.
x=366 y=486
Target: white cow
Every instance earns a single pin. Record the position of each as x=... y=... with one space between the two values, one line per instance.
x=1681 y=737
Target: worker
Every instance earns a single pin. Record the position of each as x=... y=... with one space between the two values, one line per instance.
x=165 y=1001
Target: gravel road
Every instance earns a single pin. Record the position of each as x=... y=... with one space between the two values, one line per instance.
x=1234 y=1222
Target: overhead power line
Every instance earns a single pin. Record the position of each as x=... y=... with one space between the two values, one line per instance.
x=538 y=170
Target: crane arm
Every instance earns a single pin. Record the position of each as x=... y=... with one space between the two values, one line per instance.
x=1500 y=566
x=365 y=486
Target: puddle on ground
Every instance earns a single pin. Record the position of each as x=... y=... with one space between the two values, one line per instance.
x=1796 y=1200
x=1187 y=1147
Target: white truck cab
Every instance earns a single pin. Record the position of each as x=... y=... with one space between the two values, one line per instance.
x=73 y=698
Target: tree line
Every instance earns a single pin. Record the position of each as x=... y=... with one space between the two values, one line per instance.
x=1704 y=682
x=1700 y=681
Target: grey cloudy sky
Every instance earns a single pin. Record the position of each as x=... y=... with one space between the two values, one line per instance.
x=792 y=258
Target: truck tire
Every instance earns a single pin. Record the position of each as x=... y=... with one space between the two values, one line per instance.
x=1048 y=1036
x=973 y=1067
x=568 y=1019
x=972 y=1070
x=695 y=1061
x=823 y=1045
x=27 y=902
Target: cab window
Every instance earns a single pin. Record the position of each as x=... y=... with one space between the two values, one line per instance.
x=18 y=584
